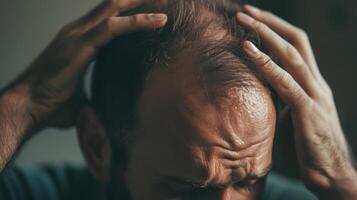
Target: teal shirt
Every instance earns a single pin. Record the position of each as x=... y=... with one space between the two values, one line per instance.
x=75 y=183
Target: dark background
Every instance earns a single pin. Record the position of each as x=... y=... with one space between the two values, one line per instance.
x=26 y=27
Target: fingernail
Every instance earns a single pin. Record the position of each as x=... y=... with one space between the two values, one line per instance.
x=250 y=48
x=158 y=17
x=252 y=9
x=244 y=18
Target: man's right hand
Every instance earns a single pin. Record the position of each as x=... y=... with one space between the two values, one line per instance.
x=54 y=79
x=49 y=93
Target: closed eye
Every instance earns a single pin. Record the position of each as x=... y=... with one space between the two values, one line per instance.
x=246 y=185
x=176 y=185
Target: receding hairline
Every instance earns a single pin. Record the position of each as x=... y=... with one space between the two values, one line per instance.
x=120 y=73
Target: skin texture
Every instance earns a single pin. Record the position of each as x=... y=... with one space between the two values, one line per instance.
x=46 y=95
x=183 y=136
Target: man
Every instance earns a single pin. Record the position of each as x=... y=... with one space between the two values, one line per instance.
x=184 y=113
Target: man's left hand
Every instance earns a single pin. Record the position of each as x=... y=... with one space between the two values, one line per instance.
x=326 y=165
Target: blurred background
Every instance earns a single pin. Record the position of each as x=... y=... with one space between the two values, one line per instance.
x=26 y=27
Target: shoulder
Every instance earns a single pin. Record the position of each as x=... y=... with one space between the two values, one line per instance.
x=279 y=187
x=46 y=182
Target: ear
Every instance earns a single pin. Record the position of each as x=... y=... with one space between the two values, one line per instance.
x=94 y=144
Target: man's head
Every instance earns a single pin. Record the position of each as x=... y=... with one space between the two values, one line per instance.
x=179 y=112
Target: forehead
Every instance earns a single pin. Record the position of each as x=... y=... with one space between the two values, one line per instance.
x=175 y=98
x=177 y=117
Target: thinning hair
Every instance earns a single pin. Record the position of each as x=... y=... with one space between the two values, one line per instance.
x=206 y=28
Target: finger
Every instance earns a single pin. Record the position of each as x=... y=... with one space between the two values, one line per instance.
x=292 y=34
x=116 y=26
x=287 y=54
x=282 y=82
x=123 y=25
x=106 y=9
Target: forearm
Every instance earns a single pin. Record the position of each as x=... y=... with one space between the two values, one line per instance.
x=15 y=122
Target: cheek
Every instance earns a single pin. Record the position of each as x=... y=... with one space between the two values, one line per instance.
x=137 y=181
x=139 y=177
x=142 y=183
x=147 y=162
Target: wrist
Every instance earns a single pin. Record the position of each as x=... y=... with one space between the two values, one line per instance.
x=16 y=123
x=15 y=107
x=342 y=187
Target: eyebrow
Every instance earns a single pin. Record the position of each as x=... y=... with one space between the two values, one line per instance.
x=194 y=183
x=183 y=181
x=264 y=172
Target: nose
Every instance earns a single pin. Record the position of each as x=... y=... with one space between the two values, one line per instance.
x=227 y=194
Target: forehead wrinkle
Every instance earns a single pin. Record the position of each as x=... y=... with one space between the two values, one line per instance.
x=213 y=158
x=220 y=166
x=213 y=171
x=247 y=151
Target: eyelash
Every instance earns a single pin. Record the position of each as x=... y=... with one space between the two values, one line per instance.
x=245 y=186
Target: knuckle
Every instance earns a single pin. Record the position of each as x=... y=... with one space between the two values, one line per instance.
x=300 y=35
x=329 y=91
x=294 y=55
x=267 y=13
x=323 y=92
x=260 y=27
x=288 y=86
x=276 y=73
x=103 y=27
x=299 y=99
x=284 y=78
x=303 y=103
x=134 y=20
x=299 y=95
x=104 y=30
x=265 y=61
x=291 y=51
x=260 y=13
x=107 y=25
